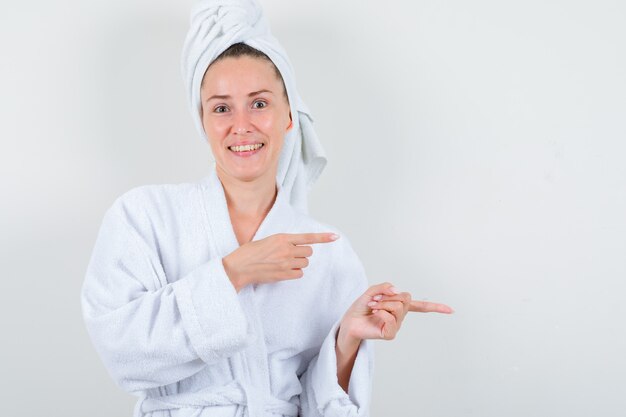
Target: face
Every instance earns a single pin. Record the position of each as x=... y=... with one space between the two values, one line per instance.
x=245 y=116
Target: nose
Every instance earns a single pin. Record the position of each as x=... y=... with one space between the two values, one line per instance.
x=241 y=124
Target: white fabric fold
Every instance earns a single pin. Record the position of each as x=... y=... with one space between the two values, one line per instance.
x=177 y=327
x=231 y=394
x=217 y=24
x=322 y=396
x=204 y=315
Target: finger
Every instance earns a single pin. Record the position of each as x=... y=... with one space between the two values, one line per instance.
x=405 y=297
x=414 y=305
x=293 y=274
x=384 y=288
x=394 y=307
x=302 y=251
x=308 y=238
x=299 y=263
x=428 y=307
x=375 y=330
x=387 y=325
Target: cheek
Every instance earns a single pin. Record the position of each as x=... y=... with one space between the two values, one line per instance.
x=216 y=128
x=263 y=121
x=271 y=123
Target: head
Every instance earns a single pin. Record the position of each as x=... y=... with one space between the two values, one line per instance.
x=245 y=113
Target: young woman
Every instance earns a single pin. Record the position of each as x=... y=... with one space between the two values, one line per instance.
x=222 y=297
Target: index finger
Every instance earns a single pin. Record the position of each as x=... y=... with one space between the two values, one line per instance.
x=428 y=307
x=308 y=238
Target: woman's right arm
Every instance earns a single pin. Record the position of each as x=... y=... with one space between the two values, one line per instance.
x=149 y=332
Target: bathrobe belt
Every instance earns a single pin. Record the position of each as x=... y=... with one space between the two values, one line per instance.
x=231 y=394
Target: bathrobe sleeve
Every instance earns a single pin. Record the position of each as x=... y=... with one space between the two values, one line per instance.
x=322 y=396
x=151 y=330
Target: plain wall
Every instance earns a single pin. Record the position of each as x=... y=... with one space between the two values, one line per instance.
x=476 y=157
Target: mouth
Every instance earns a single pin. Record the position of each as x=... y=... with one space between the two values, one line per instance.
x=246 y=150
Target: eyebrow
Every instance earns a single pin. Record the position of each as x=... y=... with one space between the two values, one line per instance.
x=223 y=97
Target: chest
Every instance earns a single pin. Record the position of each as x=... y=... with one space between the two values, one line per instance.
x=245 y=227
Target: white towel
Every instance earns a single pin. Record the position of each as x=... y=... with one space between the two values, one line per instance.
x=217 y=24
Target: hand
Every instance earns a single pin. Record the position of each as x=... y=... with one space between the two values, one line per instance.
x=276 y=258
x=379 y=312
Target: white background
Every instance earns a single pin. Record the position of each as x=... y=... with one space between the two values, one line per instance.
x=476 y=157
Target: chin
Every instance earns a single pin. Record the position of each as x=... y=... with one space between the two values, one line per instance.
x=246 y=174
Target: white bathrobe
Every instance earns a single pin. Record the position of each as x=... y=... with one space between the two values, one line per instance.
x=170 y=327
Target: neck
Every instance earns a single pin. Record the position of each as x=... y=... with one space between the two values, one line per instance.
x=249 y=199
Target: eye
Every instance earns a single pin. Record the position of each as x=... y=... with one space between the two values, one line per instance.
x=262 y=102
x=220 y=109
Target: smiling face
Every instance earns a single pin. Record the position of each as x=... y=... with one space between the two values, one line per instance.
x=245 y=115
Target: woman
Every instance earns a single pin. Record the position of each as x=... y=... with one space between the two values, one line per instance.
x=222 y=297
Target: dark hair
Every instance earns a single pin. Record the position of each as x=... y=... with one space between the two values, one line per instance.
x=240 y=49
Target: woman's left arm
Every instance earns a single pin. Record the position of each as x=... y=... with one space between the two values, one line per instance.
x=338 y=381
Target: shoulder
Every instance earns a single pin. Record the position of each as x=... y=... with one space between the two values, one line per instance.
x=156 y=194
x=145 y=204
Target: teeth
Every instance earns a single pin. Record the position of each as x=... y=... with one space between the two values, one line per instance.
x=246 y=148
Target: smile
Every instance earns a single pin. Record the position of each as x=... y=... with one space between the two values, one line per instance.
x=246 y=148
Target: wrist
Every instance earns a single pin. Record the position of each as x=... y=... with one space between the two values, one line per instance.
x=346 y=342
x=234 y=278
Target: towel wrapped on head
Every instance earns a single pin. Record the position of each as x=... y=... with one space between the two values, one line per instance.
x=218 y=24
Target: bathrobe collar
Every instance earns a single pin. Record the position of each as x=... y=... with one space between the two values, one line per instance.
x=280 y=217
